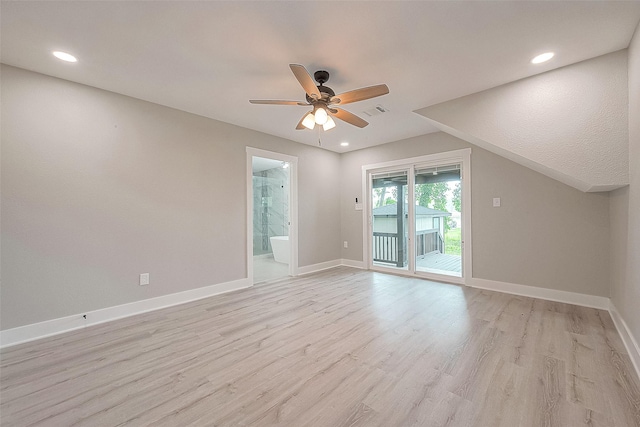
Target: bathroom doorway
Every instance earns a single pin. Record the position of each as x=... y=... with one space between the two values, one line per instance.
x=271 y=202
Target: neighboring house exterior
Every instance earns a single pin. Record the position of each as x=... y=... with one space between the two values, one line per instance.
x=427 y=219
x=388 y=244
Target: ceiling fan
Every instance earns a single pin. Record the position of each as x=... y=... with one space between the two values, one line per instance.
x=324 y=100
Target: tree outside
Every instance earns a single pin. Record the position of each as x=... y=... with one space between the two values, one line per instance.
x=444 y=196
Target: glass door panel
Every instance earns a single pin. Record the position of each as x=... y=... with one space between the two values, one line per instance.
x=389 y=197
x=438 y=221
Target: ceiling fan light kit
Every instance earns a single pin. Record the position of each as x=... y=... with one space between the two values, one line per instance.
x=309 y=121
x=324 y=100
x=321 y=115
x=329 y=124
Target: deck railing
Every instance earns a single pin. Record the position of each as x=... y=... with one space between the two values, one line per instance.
x=385 y=246
x=428 y=241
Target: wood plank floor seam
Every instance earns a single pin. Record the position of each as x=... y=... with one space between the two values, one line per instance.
x=342 y=347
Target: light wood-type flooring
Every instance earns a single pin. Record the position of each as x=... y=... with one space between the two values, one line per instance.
x=343 y=347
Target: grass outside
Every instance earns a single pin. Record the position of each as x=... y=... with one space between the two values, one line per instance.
x=452 y=240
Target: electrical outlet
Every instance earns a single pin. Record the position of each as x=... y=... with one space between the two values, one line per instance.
x=496 y=202
x=345 y=244
x=144 y=279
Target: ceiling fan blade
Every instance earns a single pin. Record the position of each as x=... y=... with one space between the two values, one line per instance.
x=348 y=117
x=305 y=80
x=276 y=102
x=359 y=94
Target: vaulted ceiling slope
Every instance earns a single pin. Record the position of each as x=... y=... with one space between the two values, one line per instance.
x=209 y=58
x=570 y=124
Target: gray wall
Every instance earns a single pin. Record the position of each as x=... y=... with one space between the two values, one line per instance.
x=625 y=210
x=546 y=234
x=98 y=188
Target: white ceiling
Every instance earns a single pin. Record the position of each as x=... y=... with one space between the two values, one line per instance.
x=210 y=58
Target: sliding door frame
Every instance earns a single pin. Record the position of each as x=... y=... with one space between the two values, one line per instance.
x=463 y=157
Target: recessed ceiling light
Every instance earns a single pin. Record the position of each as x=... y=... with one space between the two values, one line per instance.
x=65 y=56
x=544 y=57
x=344 y=144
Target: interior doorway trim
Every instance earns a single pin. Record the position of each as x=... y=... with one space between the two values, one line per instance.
x=293 y=207
x=458 y=156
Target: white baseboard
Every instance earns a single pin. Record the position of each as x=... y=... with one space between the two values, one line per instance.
x=48 y=328
x=314 y=268
x=592 y=301
x=352 y=263
x=628 y=339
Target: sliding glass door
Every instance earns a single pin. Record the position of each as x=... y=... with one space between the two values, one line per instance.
x=389 y=200
x=418 y=216
x=438 y=214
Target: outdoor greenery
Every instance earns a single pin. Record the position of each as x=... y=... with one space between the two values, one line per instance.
x=452 y=240
x=457 y=197
x=435 y=196
x=382 y=197
x=432 y=195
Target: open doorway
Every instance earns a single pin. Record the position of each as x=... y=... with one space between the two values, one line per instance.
x=272 y=243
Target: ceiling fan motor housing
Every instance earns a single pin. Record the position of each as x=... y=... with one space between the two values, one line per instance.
x=323 y=90
x=322 y=77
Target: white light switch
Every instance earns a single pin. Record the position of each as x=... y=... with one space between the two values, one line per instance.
x=496 y=202
x=358 y=206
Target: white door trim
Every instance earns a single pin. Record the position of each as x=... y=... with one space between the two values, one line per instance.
x=293 y=207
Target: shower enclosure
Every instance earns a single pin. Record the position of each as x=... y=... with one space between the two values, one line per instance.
x=270 y=207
